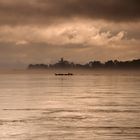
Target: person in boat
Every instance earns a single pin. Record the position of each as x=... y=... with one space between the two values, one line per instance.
x=62 y=74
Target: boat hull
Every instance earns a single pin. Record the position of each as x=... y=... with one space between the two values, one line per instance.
x=63 y=74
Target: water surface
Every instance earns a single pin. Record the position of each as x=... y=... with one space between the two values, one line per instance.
x=87 y=106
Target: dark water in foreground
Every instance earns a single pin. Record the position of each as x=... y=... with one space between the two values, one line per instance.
x=95 y=106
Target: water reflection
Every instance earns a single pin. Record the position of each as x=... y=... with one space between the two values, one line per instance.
x=93 y=106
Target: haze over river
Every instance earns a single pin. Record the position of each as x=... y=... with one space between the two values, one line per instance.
x=97 y=105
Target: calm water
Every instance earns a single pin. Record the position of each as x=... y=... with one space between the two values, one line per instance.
x=87 y=106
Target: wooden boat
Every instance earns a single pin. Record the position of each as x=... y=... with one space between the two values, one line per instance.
x=63 y=74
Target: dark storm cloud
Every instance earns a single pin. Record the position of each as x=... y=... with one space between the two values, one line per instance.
x=44 y=11
x=46 y=30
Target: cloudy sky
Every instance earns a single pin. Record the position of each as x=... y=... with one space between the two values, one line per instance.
x=42 y=31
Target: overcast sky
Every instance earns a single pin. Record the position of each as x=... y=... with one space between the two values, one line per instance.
x=42 y=31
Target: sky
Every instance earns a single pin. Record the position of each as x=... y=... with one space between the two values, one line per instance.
x=43 y=31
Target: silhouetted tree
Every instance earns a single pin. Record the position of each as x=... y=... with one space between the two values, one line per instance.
x=92 y=64
x=95 y=64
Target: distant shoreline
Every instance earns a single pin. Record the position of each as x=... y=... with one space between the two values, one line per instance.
x=111 y=64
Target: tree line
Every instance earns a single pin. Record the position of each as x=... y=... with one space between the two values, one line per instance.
x=111 y=64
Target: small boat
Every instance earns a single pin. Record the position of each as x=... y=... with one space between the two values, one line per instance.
x=63 y=74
